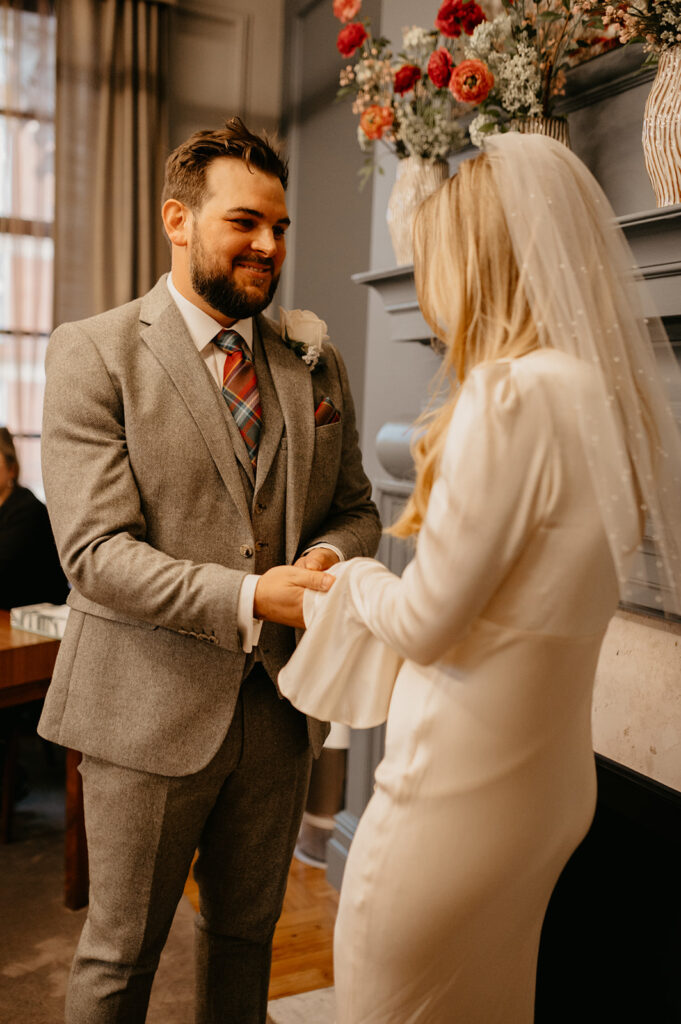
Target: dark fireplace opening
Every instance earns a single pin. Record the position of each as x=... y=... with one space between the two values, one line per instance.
x=611 y=942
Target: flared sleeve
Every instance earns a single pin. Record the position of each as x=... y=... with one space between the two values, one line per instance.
x=340 y=671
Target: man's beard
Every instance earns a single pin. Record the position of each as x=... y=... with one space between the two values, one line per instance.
x=220 y=290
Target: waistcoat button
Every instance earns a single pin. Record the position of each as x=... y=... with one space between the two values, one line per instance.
x=246 y=550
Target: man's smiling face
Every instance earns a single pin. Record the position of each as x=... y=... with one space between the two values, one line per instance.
x=237 y=244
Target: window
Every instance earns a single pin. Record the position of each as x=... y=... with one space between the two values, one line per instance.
x=27 y=101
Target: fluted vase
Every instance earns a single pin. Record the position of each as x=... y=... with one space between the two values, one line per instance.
x=662 y=129
x=415 y=180
x=554 y=127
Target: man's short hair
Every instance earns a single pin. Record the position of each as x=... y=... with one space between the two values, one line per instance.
x=185 y=173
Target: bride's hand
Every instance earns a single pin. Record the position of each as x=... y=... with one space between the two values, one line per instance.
x=279 y=593
x=317 y=558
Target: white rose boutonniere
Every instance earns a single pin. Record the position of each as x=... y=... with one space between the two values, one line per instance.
x=304 y=334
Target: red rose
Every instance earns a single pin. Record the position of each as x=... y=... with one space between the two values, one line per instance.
x=471 y=81
x=350 y=38
x=406 y=78
x=374 y=120
x=472 y=16
x=440 y=68
x=457 y=15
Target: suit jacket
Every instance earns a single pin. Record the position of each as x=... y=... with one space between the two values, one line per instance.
x=158 y=517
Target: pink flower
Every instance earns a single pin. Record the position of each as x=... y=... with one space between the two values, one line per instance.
x=471 y=81
x=440 y=68
x=375 y=120
x=346 y=10
x=456 y=16
x=406 y=78
x=350 y=38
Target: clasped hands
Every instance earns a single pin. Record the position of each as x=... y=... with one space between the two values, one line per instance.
x=279 y=591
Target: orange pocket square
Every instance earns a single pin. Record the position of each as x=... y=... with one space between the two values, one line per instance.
x=326 y=412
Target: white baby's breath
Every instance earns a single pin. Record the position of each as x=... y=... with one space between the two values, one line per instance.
x=429 y=133
x=486 y=36
x=476 y=133
x=417 y=40
x=363 y=139
x=519 y=82
x=311 y=357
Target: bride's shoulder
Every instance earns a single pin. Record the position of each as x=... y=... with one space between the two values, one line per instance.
x=509 y=402
x=505 y=382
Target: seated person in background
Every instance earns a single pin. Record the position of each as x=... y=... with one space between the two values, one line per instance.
x=30 y=572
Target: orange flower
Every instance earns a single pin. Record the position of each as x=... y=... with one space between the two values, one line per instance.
x=471 y=81
x=375 y=120
x=346 y=10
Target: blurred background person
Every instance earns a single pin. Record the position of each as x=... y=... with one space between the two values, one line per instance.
x=30 y=572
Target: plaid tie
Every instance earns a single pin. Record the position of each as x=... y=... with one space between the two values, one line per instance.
x=240 y=389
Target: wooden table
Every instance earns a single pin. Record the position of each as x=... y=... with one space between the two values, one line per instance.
x=26 y=664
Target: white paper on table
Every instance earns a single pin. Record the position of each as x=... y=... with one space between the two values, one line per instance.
x=45 y=619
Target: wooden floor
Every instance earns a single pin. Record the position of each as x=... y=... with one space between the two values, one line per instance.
x=302 y=957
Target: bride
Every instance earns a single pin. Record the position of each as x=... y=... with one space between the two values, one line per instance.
x=534 y=481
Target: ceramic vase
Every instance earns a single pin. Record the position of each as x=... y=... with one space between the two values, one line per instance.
x=554 y=127
x=415 y=180
x=662 y=129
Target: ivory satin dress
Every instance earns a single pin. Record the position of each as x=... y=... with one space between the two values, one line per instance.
x=486 y=650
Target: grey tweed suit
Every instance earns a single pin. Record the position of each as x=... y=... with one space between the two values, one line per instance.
x=158 y=516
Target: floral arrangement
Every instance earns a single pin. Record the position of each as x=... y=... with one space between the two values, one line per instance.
x=412 y=101
x=527 y=50
x=656 y=23
x=304 y=333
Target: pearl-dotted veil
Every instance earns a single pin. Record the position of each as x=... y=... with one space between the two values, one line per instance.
x=586 y=298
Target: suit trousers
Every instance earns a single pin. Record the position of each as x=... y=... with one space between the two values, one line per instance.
x=242 y=812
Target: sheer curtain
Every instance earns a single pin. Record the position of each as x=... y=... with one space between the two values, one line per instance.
x=27 y=103
x=112 y=141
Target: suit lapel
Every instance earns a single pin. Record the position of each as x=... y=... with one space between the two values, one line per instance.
x=293 y=385
x=164 y=331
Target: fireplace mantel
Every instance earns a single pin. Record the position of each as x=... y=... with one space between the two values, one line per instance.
x=655 y=240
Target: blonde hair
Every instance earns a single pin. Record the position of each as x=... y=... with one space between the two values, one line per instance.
x=472 y=296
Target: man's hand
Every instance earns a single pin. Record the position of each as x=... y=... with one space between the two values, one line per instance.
x=317 y=558
x=279 y=593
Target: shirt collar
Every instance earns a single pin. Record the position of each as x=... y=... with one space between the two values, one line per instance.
x=201 y=326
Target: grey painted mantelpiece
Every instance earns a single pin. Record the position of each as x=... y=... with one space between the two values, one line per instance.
x=396 y=288
x=655 y=239
x=604 y=103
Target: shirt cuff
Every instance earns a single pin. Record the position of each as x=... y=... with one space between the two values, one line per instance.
x=331 y=547
x=248 y=626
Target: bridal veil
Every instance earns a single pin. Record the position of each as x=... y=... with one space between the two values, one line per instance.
x=586 y=298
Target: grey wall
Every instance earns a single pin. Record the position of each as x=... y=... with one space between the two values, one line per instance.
x=225 y=58
x=331 y=230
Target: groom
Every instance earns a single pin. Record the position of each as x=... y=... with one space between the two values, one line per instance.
x=199 y=472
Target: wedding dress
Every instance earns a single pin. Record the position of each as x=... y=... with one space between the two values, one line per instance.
x=485 y=650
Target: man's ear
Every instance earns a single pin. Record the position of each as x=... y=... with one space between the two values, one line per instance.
x=177 y=221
